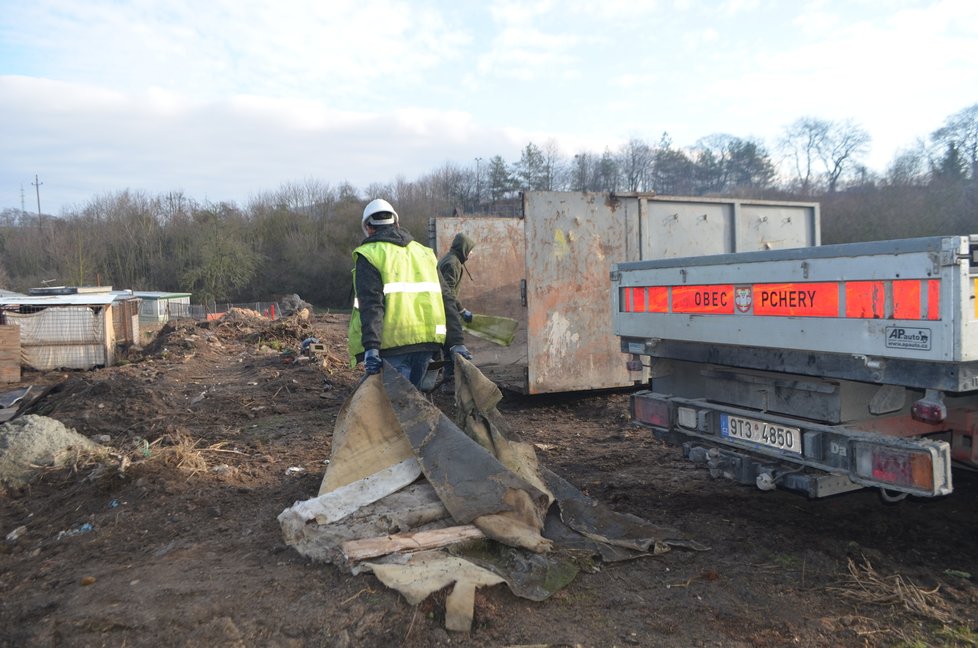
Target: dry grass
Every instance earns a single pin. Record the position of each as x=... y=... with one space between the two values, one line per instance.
x=866 y=585
x=179 y=451
x=170 y=451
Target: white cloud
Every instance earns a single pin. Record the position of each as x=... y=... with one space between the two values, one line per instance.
x=226 y=97
x=305 y=48
x=223 y=150
x=526 y=53
x=733 y=7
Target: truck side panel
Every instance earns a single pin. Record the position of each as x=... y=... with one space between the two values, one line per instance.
x=872 y=304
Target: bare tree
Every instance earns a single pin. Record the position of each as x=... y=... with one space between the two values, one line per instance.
x=580 y=172
x=841 y=149
x=961 y=131
x=636 y=159
x=552 y=161
x=801 y=143
x=218 y=260
x=836 y=145
x=908 y=167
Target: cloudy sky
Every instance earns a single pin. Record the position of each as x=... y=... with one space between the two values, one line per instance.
x=224 y=99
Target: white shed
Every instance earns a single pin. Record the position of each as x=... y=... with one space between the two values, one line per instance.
x=159 y=307
x=62 y=331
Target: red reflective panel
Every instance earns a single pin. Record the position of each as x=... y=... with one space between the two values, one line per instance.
x=638 y=300
x=798 y=299
x=864 y=299
x=658 y=299
x=906 y=299
x=933 y=299
x=703 y=299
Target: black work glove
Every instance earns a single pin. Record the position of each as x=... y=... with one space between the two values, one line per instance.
x=372 y=362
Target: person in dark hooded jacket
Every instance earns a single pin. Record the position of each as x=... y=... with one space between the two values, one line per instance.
x=450 y=267
x=403 y=311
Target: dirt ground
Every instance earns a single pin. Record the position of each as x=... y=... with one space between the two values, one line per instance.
x=214 y=430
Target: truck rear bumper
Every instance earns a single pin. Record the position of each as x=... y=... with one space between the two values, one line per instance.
x=761 y=472
x=800 y=455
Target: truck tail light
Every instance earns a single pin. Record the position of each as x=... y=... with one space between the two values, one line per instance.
x=928 y=412
x=653 y=411
x=900 y=467
x=930 y=408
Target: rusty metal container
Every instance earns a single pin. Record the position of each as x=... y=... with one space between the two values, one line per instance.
x=549 y=268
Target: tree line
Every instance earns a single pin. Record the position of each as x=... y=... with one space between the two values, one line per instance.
x=298 y=238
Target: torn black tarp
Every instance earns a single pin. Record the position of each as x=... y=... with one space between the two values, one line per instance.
x=484 y=511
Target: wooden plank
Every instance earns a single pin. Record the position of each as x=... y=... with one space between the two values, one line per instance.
x=9 y=353
x=357 y=550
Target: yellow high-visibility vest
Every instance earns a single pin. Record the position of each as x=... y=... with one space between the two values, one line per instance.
x=414 y=312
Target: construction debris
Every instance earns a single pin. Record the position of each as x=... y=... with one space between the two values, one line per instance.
x=431 y=502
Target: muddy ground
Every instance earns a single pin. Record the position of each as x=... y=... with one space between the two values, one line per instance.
x=214 y=430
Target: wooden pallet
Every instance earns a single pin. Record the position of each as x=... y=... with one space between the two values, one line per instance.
x=9 y=354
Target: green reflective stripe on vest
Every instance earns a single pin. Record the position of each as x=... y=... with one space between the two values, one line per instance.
x=413 y=309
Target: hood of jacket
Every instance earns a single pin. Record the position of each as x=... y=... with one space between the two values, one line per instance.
x=461 y=246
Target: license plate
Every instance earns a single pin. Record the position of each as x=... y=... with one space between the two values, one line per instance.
x=761 y=433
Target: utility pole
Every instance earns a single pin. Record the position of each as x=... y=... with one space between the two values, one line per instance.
x=478 y=184
x=37 y=186
x=22 y=210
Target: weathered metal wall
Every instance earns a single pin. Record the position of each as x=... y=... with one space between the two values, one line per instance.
x=572 y=240
x=676 y=226
x=497 y=268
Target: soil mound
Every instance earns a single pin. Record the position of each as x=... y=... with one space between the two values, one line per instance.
x=31 y=441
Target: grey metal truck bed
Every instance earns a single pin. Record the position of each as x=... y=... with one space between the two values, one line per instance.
x=899 y=312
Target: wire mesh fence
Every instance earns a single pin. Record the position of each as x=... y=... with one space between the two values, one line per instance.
x=176 y=310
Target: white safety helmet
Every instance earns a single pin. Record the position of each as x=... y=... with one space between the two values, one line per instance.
x=377 y=212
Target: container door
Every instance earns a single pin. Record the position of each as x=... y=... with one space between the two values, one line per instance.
x=572 y=239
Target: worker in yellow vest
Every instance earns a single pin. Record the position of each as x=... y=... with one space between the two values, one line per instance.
x=402 y=310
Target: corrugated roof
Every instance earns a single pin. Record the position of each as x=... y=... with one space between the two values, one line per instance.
x=154 y=294
x=92 y=299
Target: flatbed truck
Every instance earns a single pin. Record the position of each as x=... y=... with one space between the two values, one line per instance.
x=817 y=369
